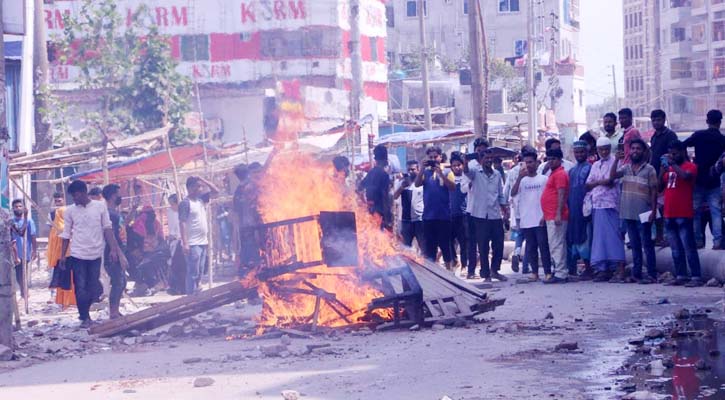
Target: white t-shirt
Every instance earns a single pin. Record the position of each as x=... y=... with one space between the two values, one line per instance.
x=84 y=228
x=172 y=218
x=197 y=233
x=529 y=198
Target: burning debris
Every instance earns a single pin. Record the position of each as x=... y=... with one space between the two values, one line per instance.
x=325 y=262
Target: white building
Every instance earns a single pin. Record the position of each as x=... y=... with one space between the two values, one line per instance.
x=557 y=39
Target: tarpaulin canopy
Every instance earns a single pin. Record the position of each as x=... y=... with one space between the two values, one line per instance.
x=424 y=136
x=147 y=165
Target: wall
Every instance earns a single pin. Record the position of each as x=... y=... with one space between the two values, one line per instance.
x=238 y=114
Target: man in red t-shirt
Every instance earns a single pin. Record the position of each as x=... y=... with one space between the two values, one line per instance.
x=678 y=181
x=556 y=214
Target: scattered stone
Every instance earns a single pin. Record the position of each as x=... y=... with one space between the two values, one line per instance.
x=445 y=398
x=636 y=342
x=362 y=332
x=663 y=300
x=713 y=282
x=285 y=340
x=129 y=391
x=641 y=395
x=414 y=328
x=176 y=331
x=273 y=350
x=129 y=341
x=32 y=323
x=311 y=347
x=6 y=353
x=682 y=313
x=654 y=334
x=567 y=346
x=644 y=350
x=628 y=387
x=438 y=327
x=203 y=381
x=192 y=360
x=549 y=315
x=148 y=339
x=290 y=395
x=38 y=334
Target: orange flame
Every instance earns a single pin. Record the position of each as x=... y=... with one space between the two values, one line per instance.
x=295 y=186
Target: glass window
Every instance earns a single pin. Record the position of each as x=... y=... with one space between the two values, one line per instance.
x=411 y=8
x=505 y=6
x=195 y=47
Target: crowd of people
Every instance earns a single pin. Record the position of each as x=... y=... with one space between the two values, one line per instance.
x=575 y=219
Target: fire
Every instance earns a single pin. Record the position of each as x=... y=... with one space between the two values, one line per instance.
x=295 y=185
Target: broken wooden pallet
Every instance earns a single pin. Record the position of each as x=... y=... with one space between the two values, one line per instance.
x=175 y=310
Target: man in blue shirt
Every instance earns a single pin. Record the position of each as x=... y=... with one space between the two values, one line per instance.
x=26 y=251
x=376 y=186
x=437 y=211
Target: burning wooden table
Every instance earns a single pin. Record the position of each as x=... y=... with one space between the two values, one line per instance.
x=325 y=263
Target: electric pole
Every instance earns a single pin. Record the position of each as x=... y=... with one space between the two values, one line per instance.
x=7 y=294
x=614 y=84
x=43 y=136
x=427 y=121
x=355 y=61
x=531 y=76
x=476 y=60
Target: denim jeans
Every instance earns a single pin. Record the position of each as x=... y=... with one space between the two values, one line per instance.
x=490 y=236
x=437 y=236
x=682 y=242
x=195 y=262
x=519 y=247
x=410 y=230
x=640 y=237
x=713 y=198
x=87 y=282
x=459 y=233
x=537 y=241
x=118 y=281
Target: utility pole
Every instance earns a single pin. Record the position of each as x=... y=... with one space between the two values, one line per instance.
x=427 y=120
x=7 y=294
x=530 y=75
x=476 y=61
x=614 y=84
x=43 y=136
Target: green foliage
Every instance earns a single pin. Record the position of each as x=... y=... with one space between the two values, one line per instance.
x=127 y=64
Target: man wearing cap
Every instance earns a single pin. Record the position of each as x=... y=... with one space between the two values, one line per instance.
x=556 y=214
x=709 y=144
x=607 y=240
x=579 y=228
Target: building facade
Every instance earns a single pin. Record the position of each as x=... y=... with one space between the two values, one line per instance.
x=683 y=54
x=238 y=50
x=556 y=35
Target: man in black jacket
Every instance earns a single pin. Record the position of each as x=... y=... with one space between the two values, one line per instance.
x=709 y=145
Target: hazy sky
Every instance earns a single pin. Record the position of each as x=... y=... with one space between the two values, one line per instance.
x=601 y=46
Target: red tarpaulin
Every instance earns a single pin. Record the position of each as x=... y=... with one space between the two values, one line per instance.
x=147 y=165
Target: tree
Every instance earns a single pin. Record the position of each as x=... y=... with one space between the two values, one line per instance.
x=127 y=64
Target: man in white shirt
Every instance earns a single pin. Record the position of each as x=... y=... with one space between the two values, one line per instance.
x=193 y=222
x=87 y=224
x=411 y=217
x=528 y=188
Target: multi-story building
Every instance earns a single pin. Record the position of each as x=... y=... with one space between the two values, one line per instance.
x=681 y=67
x=237 y=51
x=557 y=39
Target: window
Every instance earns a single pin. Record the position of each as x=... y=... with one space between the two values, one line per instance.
x=520 y=48
x=465 y=7
x=411 y=8
x=680 y=68
x=581 y=98
x=641 y=51
x=194 y=47
x=626 y=21
x=390 y=16
x=678 y=35
x=639 y=18
x=374 y=49
x=506 y=6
